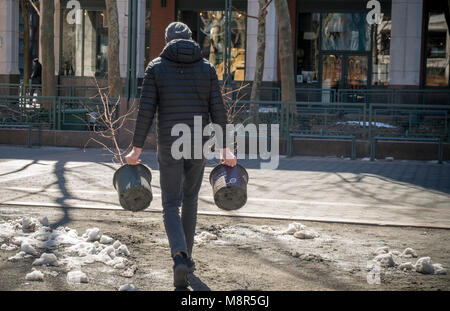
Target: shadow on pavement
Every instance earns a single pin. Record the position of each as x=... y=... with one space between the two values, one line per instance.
x=196 y=283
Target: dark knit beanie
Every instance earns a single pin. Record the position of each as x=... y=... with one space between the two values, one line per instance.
x=177 y=30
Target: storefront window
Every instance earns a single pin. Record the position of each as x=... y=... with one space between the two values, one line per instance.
x=437 y=51
x=84 y=45
x=381 y=51
x=208 y=29
x=345 y=32
x=307 y=53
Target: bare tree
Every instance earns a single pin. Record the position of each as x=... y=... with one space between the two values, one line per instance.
x=286 y=54
x=107 y=126
x=26 y=42
x=259 y=70
x=47 y=48
x=114 y=82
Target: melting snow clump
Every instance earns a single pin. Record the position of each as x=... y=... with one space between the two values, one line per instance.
x=381 y=250
x=423 y=265
x=28 y=249
x=92 y=235
x=305 y=234
x=300 y=231
x=406 y=266
x=409 y=252
x=205 y=236
x=293 y=228
x=438 y=269
x=46 y=260
x=385 y=260
x=106 y=239
x=10 y=247
x=35 y=276
x=77 y=277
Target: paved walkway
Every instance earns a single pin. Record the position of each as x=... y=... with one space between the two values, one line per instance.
x=405 y=193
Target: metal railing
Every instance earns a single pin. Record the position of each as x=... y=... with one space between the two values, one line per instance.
x=326 y=119
x=56 y=113
x=81 y=113
x=312 y=117
x=409 y=120
x=27 y=110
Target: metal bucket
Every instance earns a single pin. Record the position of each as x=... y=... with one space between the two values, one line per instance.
x=229 y=186
x=133 y=184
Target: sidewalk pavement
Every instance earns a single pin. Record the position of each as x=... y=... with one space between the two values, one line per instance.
x=397 y=193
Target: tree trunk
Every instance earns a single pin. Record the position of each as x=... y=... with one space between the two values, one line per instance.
x=26 y=43
x=47 y=49
x=286 y=55
x=114 y=82
x=259 y=70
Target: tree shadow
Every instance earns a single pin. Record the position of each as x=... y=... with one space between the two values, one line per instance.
x=61 y=180
x=21 y=169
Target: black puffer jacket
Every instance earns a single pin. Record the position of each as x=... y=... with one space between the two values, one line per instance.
x=179 y=85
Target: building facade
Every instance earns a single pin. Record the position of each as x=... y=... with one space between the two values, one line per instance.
x=334 y=45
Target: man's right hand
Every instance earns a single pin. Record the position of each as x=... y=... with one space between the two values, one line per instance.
x=133 y=157
x=227 y=157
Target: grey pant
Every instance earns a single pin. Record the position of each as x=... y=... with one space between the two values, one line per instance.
x=180 y=183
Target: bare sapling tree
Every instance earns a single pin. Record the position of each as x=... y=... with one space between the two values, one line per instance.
x=107 y=126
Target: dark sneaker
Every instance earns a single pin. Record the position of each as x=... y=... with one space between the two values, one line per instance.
x=191 y=264
x=180 y=272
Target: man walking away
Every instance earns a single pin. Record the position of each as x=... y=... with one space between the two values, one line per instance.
x=36 y=76
x=179 y=85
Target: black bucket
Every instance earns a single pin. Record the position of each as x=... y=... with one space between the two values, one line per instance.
x=133 y=183
x=229 y=186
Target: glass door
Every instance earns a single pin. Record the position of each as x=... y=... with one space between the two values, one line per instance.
x=343 y=71
x=357 y=69
x=332 y=71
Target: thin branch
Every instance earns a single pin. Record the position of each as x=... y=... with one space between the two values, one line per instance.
x=35 y=8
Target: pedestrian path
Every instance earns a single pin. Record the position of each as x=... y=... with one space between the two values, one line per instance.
x=399 y=193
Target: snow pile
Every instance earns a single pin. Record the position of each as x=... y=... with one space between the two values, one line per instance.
x=424 y=265
x=385 y=260
x=293 y=228
x=46 y=260
x=20 y=255
x=407 y=266
x=27 y=248
x=92 y=235
x=205 y=237
x=361 y=123
x=409 y=252
x=77 y=277
x=300 y=231
x=63 y=246
x=8 y=247
x=36 y=275
x=106 y=239
x=381 y=250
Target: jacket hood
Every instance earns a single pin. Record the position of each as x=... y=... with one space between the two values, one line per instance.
x=182 y=51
